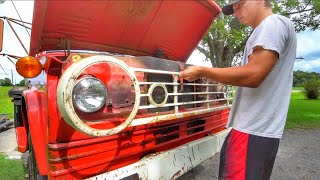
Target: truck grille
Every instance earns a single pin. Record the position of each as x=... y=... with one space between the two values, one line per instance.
x=172 y=97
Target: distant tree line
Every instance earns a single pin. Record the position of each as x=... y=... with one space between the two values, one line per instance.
x=300 y=77
x=7 y=82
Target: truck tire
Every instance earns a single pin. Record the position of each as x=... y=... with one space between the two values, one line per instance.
x=32 y=164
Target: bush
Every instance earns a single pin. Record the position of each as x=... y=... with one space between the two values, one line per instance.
x=311 y=88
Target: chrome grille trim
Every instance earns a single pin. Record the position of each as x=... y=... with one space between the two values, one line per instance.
x=175 y=113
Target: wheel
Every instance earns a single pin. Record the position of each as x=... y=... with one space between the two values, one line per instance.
x=32 y=164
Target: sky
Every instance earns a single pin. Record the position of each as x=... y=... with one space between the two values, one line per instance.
x=11 y=44
x=308 y=43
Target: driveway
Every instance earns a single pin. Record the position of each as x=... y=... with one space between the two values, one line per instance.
x=8 y=144
x=298 y=158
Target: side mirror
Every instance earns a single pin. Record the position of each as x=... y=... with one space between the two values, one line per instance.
x=1 y=34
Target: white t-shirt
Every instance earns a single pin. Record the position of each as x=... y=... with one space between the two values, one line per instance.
x=262 y=111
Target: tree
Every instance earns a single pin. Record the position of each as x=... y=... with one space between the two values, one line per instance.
x=305 y=14
x=301 y=77
x=6 y=82
x=22 y=83
x=224 y=42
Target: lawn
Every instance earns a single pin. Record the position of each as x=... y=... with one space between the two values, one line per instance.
x=303 y=113
x=6 y=106
x=297 y=88
x=11 y=169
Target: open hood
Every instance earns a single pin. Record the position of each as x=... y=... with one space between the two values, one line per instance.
x=167 y=29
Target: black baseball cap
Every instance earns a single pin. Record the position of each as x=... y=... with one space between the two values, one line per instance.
x=228 y=9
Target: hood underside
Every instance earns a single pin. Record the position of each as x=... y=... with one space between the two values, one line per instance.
x=166 y=29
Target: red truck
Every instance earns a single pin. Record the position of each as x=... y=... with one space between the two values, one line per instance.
x=113 y=105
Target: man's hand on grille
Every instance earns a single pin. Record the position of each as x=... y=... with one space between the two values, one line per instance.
x=191 y=73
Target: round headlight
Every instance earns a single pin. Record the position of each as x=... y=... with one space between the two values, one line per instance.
x=89 y=94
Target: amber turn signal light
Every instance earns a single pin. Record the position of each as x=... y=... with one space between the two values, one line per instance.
x=28 y=67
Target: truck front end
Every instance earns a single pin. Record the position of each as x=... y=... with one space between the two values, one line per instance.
x=114 y=105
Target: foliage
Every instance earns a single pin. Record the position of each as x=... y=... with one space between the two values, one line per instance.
x=311 y=88
x=305 y=15
x=224 y=42
x=6 y=106
x=303 y=113
x=299 y=77
x=5 y=82
x=22 y=82
x=11 y=169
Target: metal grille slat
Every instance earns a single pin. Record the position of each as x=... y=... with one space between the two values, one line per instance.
x=181 y=94
x=182 y=103
x=184 y=84
x=155 y=71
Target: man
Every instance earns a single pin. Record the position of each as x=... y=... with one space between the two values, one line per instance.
x=264 y=83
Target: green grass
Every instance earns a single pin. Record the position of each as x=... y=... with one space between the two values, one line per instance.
x=11 y=169
x=6 y=106
x=297 y=88
x=303 y=113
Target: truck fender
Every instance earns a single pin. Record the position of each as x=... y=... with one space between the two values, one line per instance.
x=36 y=107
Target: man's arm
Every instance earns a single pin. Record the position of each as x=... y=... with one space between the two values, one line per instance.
x=252 y=74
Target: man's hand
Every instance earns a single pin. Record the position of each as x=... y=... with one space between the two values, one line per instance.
x=192 y=73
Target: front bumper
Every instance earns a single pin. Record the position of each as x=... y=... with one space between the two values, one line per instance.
x=170 y=164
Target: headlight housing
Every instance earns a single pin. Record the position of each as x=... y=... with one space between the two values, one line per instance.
x=65 y=92
x=89 y=94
